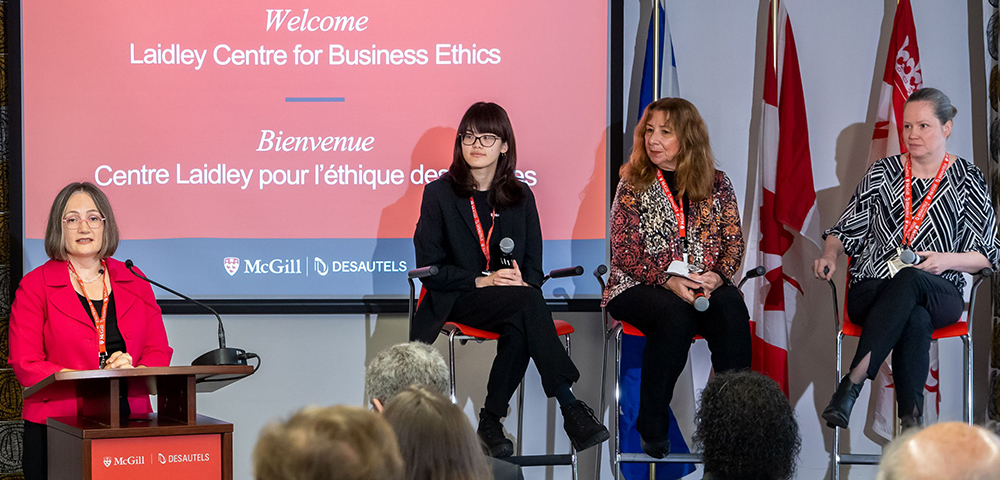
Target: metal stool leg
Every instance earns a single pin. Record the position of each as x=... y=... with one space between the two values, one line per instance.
x=572 y=451
x=835 y=451
x=600 y=411
x=967 y=365
x=615 y=465
x=451 y=364
x=520 y=417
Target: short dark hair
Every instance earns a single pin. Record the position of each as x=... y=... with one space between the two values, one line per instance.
x=488 y=117
x=55 y=245
x=943 y=109
x=329 y=443
x=746 y=428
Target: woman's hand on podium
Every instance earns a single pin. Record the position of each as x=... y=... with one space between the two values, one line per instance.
x=118 y=360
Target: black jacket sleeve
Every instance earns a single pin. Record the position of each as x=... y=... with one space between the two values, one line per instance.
x=429 y=242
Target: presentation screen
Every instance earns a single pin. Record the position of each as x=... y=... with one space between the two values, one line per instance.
x=280 y=149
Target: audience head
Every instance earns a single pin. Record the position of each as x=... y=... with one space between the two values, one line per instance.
x=435 y=437
x=675 y=126
x=499 y=148
x=330 y=443
x=59 y=235
x=402 y=365
x=943 y=451
x=747 y=428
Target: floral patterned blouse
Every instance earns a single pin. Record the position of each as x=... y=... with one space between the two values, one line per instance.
x=644 y=236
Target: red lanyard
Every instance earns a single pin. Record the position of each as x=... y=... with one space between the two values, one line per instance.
x=484 y=241
x=678 y=211
x=911 y=224
x=99 y=322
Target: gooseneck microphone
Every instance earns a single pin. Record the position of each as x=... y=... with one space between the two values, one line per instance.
x=506 y=247
x=220 y=356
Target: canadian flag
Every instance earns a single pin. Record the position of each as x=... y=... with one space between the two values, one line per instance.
x=785 y=200
x=902 y=77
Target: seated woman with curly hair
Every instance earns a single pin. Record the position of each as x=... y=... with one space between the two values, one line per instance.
x=746 y=429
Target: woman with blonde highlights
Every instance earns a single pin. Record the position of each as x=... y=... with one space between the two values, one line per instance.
x=435 y=438
x=676 y=243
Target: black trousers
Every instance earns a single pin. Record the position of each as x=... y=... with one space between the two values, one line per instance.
x=899 y=315
x=669 y=324
x=523 y=320
x=34 y=456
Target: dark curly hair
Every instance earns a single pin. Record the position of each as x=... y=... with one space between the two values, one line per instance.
x=746 y=428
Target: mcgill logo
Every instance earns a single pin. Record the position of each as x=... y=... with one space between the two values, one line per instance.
x=123 y=461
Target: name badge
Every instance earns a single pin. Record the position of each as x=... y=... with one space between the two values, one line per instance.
x=895 y=264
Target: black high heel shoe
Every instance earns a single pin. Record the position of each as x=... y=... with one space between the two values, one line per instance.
x=655 y=449
x=838 y=412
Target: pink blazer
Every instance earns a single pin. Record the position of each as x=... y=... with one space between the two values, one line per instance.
x=50 y=331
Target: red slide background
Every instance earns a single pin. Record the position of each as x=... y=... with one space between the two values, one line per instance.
x=86 y=105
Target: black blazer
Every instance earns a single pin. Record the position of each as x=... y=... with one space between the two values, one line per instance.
x=446 y=237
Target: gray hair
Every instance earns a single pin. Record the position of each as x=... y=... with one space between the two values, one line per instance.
x=967 y=452
x=943 y=109
x=397 y=367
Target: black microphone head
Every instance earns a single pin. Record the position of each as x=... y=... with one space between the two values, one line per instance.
x=759 y=271
x=506 y=245
x=601 y=269
x=128 y=264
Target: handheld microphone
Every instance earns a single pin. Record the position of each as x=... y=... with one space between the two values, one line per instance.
x=700 y=301
x=506 y=247
x=220 y=356
x=909 y=257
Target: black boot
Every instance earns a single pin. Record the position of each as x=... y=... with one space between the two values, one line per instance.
x=582 y=427
x=655 y=449
x=491 y=432
x=907 y=422
x=838 y=412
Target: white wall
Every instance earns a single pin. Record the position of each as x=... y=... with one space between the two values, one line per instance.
x=321 y=359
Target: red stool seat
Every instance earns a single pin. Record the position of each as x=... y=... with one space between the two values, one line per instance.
x=956 y=329
x=470 y=331
x=628 y=329
x=562 y=328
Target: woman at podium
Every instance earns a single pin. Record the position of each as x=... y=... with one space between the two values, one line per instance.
x=81 y=310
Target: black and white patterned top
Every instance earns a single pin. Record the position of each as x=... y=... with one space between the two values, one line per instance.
x=960 y=219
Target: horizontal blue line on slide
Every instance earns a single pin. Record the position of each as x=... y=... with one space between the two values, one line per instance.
x=317 y=268
x=314 y=99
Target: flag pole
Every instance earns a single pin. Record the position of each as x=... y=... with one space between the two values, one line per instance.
x=774 y=35
x=656 y=50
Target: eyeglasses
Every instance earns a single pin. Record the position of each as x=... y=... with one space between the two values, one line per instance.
x=73 y=222
x=486 y=141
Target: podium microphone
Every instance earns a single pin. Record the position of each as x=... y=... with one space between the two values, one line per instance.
x=220 y=356
x=506 y=247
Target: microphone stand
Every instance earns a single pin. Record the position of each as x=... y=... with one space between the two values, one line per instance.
x=219 y=356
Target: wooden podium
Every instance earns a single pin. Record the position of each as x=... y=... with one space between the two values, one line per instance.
x=173 y=443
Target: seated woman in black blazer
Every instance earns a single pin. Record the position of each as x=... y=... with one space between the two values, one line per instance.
x=463 y=217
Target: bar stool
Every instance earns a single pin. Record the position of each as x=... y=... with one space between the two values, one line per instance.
x=615 y=329
x=958 y=329
x=464 y=333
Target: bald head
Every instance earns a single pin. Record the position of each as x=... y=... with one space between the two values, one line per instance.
x=943 y=451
